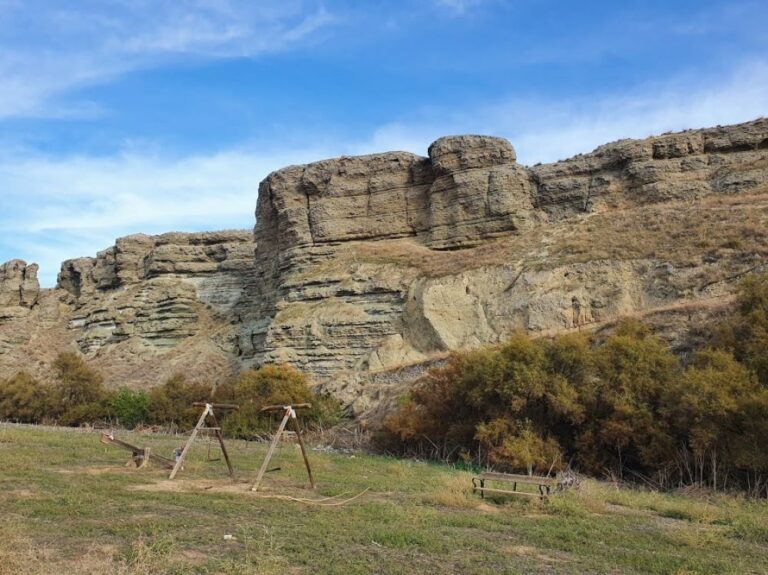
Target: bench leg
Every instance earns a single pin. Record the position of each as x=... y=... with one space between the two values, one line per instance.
x=482 y=486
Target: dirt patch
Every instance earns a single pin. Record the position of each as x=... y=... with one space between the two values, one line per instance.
x=20 y=494
x=192 y=485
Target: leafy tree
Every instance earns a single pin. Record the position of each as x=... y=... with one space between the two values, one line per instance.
x=514 y=444
x=515 y=403
x=746 y=333
x=632 y=370
x=79 y=395
x=718 y=411
x=273 y=385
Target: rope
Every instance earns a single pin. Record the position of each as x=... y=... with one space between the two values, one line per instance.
x=319 y=502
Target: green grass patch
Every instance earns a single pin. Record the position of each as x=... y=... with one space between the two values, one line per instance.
x=71 y=506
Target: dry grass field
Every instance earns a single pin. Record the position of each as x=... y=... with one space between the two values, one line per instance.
x=70 y=505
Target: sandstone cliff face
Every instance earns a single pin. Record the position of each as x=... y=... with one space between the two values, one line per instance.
x=143 y=309
x=364 y=265
x=370 y=263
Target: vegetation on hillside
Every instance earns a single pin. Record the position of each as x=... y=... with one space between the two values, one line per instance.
x=77 y=396
x=273 y=385
x=623 y=406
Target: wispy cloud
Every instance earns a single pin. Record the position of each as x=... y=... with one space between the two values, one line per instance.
x=59 y=208
x=548 y=130
x=62 y=49
x=459 y=6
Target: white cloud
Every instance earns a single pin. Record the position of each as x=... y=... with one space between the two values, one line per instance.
x=54 y=208
x=64 y=49
x=59 y=208
x=546 y=131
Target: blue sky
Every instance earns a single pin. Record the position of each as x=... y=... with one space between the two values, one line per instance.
x=126 y=116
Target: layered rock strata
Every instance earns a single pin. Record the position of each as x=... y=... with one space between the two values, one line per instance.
x=145 y=308
x=343 y=246
x=362 y=270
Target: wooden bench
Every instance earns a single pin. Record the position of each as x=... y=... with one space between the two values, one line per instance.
x=545 y=485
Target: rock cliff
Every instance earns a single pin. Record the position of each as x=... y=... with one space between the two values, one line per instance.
x=359 y=266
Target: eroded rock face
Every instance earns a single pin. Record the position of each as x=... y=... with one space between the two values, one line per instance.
x=136 y=308
x=364 y=270
x=682 y=166
x=18 y=284
x=329 y=309
x=151 y=288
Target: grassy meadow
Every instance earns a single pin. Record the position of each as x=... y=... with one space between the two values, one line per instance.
x=70 y=505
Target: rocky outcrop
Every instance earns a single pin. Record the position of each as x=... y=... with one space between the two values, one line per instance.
x=151 y=288
x=137 y=306
x=468 y=189
x=343 y=246
x=364 y=270
x=19 y=288
x=137 y=258
x=682 y=166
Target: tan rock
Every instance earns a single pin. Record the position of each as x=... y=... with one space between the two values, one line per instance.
x=18 y=284
x=364 y=271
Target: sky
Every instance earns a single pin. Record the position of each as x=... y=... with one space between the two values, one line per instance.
x=148 y=116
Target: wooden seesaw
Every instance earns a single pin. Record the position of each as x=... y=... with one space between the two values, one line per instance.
x=141 y=455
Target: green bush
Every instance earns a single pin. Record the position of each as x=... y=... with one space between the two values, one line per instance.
x=130 y=407
x=745 y=334
x=632 y=368
x=516 y=404
x=78 y=394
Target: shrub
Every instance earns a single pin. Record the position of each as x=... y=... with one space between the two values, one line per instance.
x=78 y=395
x=24 y=399
x=746 y=333
x=516 y=404
x=514 y=444
x=130 y=407
x=632 y=369
x=171 y=403
x=273 y=385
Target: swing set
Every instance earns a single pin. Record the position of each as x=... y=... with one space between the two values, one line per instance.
x=207 y=423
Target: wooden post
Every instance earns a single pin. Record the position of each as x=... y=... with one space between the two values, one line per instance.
x=303 y=450
x=144 y=458
x=288 y=412
x=220 y=437
x=184 y=451
x=207 y=412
